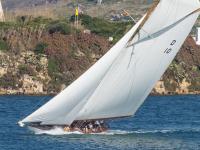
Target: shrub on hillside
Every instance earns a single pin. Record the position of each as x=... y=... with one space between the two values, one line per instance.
x=61 y=27
x=9 y=80
x=40 y=48
x=30 y=21
x=170 y=86
x=103 y=27
x=25 y=69
x=52 y=66
x=3 y=45
x=195 y=85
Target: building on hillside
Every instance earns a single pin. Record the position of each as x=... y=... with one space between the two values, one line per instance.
x=99 y=2
x=196 y=37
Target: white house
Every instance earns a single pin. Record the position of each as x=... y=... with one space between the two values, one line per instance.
x=198 y=36
x=99 y=2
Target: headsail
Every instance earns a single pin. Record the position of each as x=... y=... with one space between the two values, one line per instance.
x=120 y=81
x=73 y=98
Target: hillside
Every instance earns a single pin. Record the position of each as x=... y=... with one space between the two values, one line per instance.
x=43 y=56
x=10 y=4
x=57 y=9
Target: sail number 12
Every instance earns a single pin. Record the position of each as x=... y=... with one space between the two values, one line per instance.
x=169 y=49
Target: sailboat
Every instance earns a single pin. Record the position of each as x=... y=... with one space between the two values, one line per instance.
x=118 y=84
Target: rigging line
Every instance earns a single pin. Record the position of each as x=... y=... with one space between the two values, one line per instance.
x=103 y=7
x=146 y=88
x=149 y=12
x=161 y=60
x=132 y=87
x=135 y=22
x=134 y=74
x=158 y=33
x=132 y=53
x=129 y=16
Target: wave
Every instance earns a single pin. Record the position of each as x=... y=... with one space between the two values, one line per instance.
x=167 y=131
x=55 y=131
x=60 y=131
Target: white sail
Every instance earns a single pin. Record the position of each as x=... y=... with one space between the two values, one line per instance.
x=140 y=65
x=2 y=18
x=57 y=110
x=120 y=81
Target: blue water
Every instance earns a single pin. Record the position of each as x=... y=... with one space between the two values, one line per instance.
x=162 y=123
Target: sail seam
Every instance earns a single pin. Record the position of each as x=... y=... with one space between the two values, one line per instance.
x=150 y=11
x=156 y=34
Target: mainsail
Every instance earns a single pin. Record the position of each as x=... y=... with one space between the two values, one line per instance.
x=118 y=84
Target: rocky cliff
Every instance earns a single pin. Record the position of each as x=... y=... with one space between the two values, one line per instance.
x=42 y=56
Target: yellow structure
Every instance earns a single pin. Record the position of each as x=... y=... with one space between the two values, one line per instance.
x=76 y=16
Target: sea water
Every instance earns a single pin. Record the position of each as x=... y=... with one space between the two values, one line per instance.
x=162 y=123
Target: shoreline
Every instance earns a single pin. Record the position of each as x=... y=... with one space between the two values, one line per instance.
x=52 y=95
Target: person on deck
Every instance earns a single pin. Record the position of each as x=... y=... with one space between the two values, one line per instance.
x=67 y=129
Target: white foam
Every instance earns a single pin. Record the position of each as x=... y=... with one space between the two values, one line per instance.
x=55 y=131
x=114 y=132
x=60 y=131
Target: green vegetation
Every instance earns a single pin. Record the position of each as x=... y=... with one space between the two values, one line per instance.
x=40 y=48
x=9 y=80
x=59 y=26
x=177 y=71
x=39 y=68
x=38 y=21
x=69 y=56
x=105 y=28
x=170 y=86
x=3 y=45
x=8 y=25
x=195 y=85
x=25 y=21
x=52 y=66
x=25 y=69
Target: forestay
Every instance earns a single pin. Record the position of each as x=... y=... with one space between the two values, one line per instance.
x=120 y=81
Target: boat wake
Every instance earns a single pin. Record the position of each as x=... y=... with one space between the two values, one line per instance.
x=60 y=131
x=55 y=131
